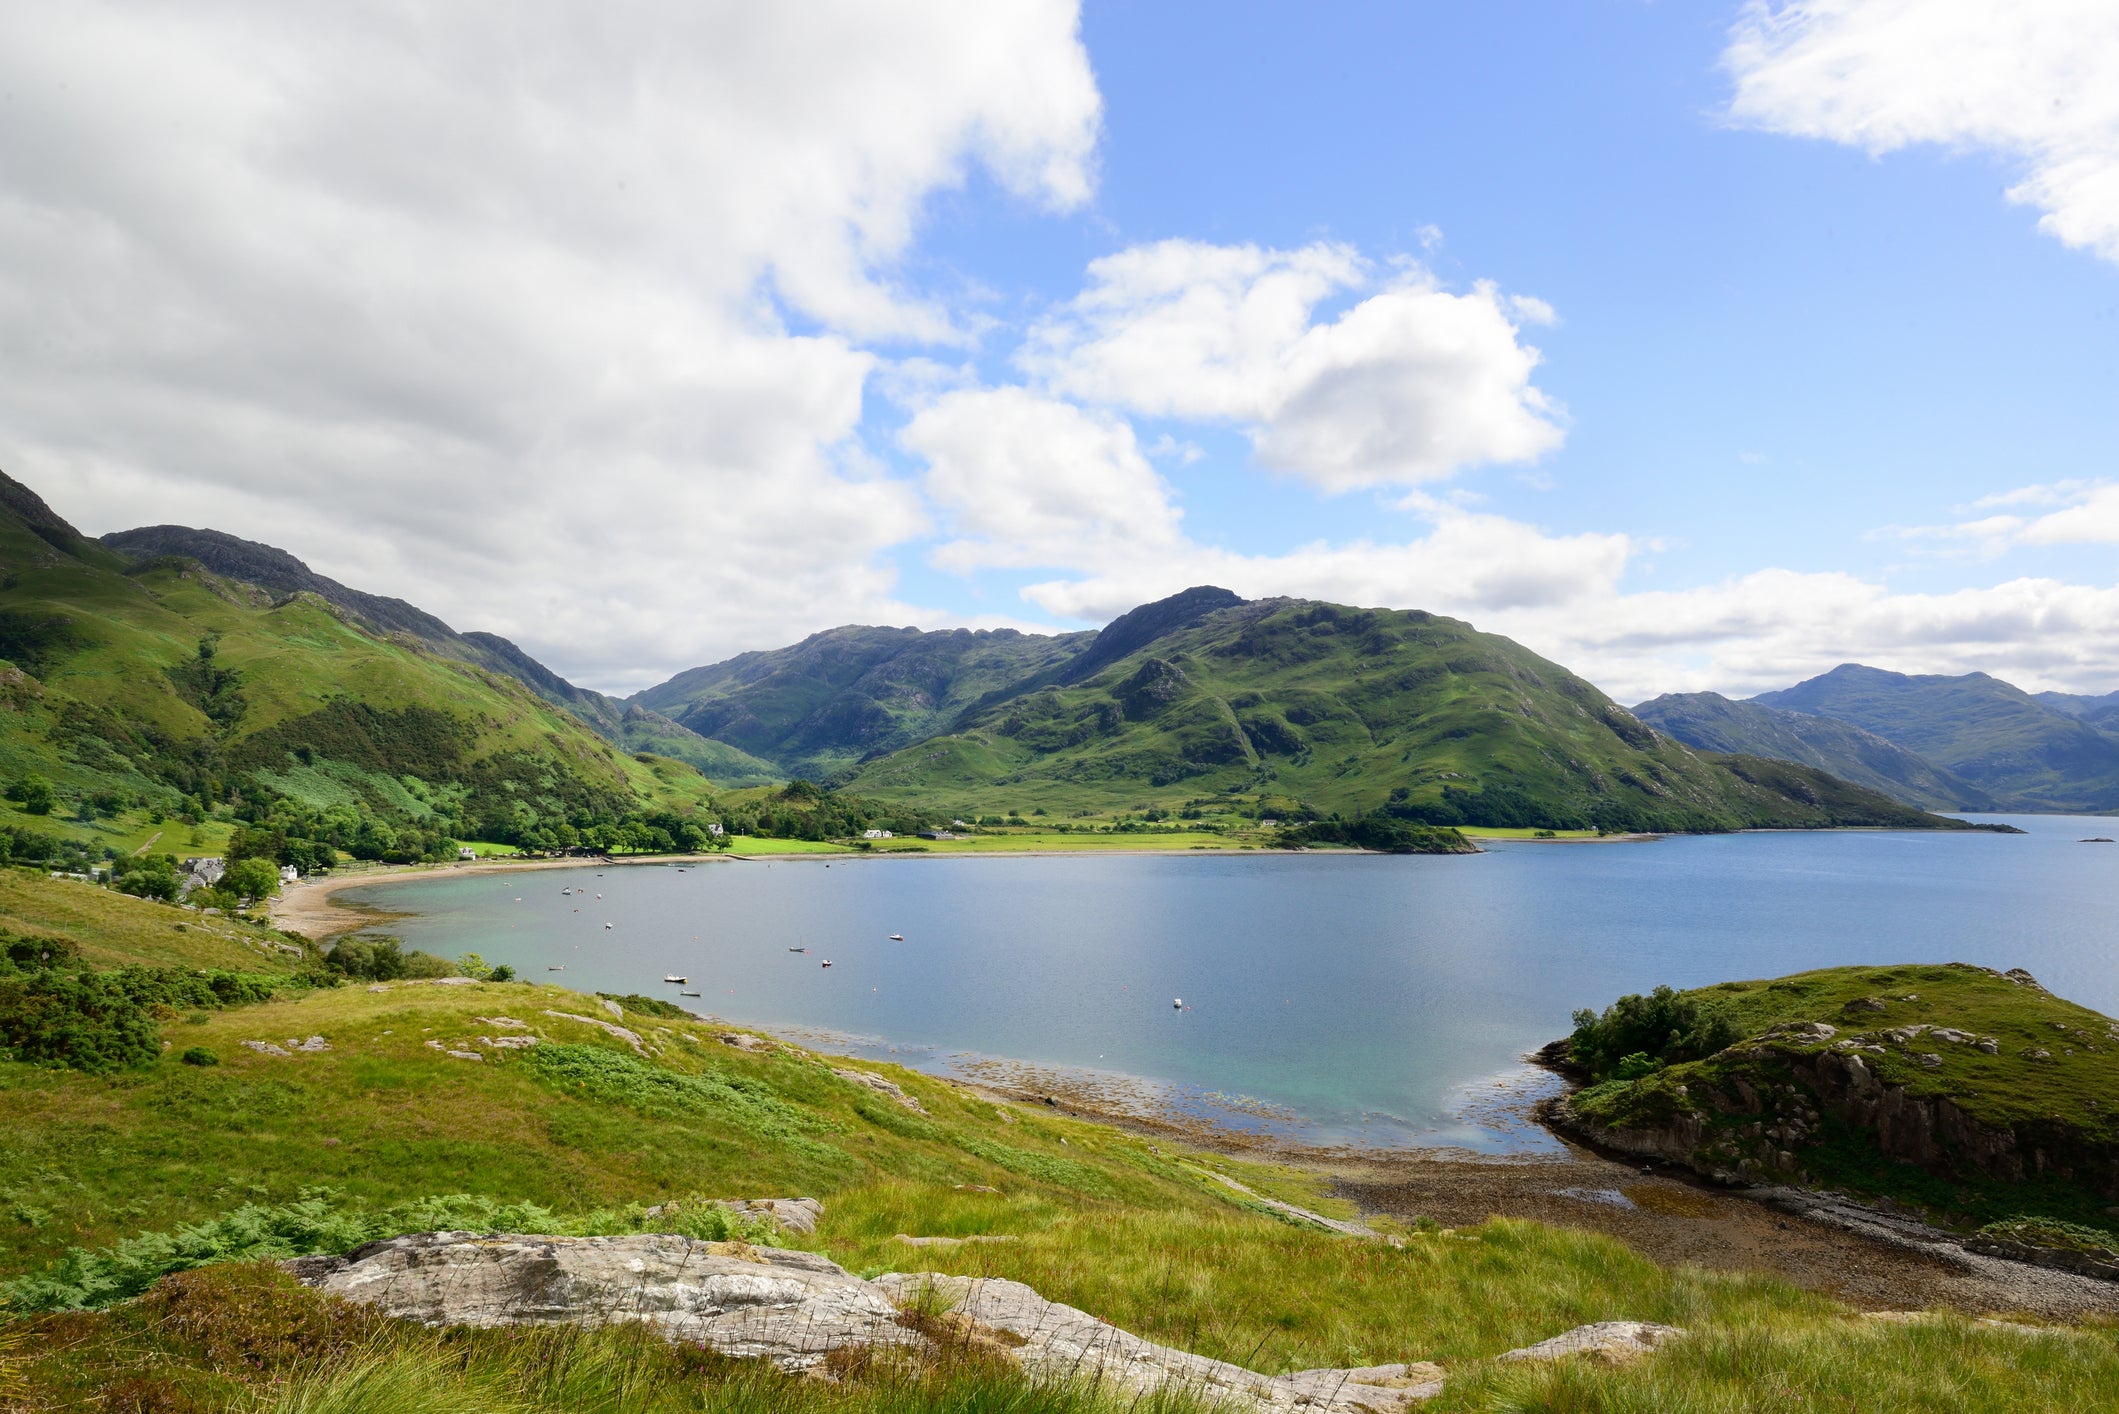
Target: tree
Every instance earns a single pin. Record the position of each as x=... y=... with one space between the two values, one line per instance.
x=37 y=795
x=251 y=879
x=152 y=877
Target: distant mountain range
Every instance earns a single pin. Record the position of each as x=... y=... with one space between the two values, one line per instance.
x=1311 y=706
x=1205 y=693
x=1713 y=722
x=1971 y=742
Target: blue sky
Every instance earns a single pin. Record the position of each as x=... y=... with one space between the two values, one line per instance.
x=723 y=329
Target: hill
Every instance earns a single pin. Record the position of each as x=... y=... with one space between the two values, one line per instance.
x=155 y=702
x=823 y=705
x=2101 y=712
x=1974 y=1093
x=629 y=726
x=1712 y=722
x=1980 y=728
x=1343 y=710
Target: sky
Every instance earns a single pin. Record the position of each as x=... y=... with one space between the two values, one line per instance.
x=1695 y=346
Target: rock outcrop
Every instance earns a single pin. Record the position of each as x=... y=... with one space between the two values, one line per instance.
x=795 y=1308
x=792 y=1308
x=1060 y=1342
x=1612 y=1342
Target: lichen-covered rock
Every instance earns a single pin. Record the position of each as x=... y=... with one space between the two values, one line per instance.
x=1614 y=1342
x=1060 y=1342
x=792 y=1308
x=871 y=1081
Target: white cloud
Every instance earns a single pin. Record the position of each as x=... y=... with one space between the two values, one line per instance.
x=1028 y=481
x=2087 y=513
x=1411 y=383
x=1467 y=563
x=478 y=303
x=2034 y=80
x=1775 y=627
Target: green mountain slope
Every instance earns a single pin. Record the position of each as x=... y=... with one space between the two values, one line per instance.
x=1978 y=727
x=632 y=727
x=159 y=686
x=1712 y=722
x=2100 y=712
x=1352 y=710
x=824 y=704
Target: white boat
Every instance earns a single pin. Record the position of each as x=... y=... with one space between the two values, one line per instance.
x=1177 y=1003
x=827 y=962
x=673 y=977
x=897 y=937
x=561 y=968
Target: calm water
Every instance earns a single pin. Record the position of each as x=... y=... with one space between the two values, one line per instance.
x=1376 y=998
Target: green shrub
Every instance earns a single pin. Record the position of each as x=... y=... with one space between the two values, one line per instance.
x=384 y=959
x=104 y=1021
x=199 y=1055
x=647 y=1006
x=1661 y=1028
x=740 y=1102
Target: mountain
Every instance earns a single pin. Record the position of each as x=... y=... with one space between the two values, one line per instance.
x=1980 y=728
x=158 y=686
x=1712 y=722
x=1336 y=709
x=2100 y=712
x=632 y=727
x=821 y=706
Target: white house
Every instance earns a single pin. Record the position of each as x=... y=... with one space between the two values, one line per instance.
x=875 y=834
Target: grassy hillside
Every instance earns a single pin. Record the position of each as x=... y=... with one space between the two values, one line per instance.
x=631 y=728
x=162 y=704
x=1352 y=710
x=1712 y=722
x=107 y=1181
x=1978 y=1095
x=827 y=702
x=1999 y=737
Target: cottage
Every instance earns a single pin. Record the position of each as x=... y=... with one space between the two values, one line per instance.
x=875 y=834
x=288 y=873
x=204 y=871
x=464 y=851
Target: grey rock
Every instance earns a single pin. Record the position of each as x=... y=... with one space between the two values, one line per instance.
x=264 y=1048
x=314 y=1043
x=1059 y=1342
x=877 y=1083
x=1612 y=1341
x=797 y=1215
x=792 y=1308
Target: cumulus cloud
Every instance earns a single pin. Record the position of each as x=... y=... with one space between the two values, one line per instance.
x=1410 y=383
x=1765 y=630
x=2084 y=513
x=1028 y=481
x=486 y=304
x=2036 y=81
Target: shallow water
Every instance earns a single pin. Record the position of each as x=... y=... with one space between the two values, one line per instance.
x=1340 y=998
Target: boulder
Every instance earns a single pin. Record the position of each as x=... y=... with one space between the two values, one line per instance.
x=796 y=1215
x=1613 y=1342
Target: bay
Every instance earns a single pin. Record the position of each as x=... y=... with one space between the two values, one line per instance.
x=1336 y=998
